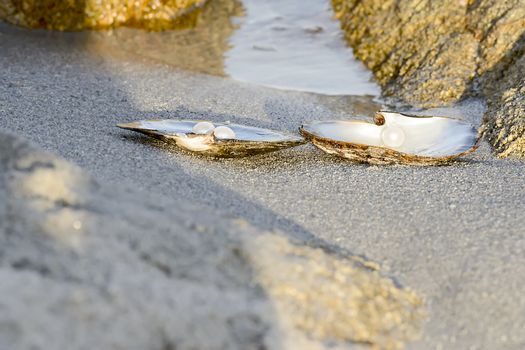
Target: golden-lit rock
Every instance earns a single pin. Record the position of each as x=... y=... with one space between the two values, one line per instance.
x=99 y=14
x=429 y=52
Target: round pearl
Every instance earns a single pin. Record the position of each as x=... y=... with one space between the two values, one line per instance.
x=223 y=133
x=393 y=136
x=202 y=128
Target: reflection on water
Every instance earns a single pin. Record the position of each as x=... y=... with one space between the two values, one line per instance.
x=292 y=44
x=295 y=45
x=200 y=48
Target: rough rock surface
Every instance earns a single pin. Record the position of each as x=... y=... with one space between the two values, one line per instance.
x=88 y=266
x=505 y=117
x=430 y=53
x=98 y=14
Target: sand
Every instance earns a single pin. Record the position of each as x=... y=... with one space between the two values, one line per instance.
x=454 y=234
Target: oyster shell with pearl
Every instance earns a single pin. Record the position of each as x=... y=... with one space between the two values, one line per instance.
x=215 y=139
x=394 y=138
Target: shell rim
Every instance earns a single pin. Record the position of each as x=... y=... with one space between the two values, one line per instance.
x=419 y=116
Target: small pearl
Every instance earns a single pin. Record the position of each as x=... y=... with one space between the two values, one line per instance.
x=223 y=132
x=202 y=128
x=393 y=136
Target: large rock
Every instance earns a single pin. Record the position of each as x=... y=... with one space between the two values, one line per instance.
x=431 y=53
x=88 y=266
x=99 y=14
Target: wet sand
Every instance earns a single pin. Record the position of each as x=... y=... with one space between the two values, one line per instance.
x=454 y=234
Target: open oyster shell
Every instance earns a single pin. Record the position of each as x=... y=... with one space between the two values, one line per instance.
x=395 y=138
x=246 y=140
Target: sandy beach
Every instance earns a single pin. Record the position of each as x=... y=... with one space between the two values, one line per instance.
x=453 y=234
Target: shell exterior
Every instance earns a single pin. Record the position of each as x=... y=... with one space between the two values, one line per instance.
x=427 y=140
x=248 y=140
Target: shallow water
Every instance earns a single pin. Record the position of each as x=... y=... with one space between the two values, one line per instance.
x=295 y=45
x=292 y=44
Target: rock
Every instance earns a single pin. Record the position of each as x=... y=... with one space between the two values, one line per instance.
x=504 y=121
x=430 y=53
x=99 y=14
x=86 y=265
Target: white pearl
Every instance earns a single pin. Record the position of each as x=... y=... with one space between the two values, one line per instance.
x=202 y=128
x=393 y=136
x=224 y=132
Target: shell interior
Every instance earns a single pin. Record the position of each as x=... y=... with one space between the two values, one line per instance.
x=184 y=127
x=423 y=136
x=247 y=140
